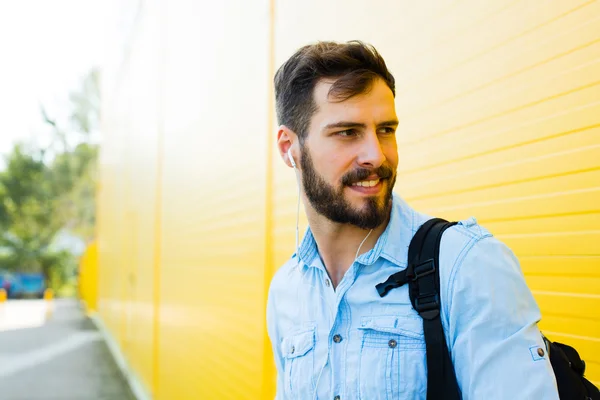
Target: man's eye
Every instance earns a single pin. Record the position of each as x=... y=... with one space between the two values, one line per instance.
x=387 y=130
x=347 y=133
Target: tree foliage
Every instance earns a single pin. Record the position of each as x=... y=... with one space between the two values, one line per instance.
x=41 y=196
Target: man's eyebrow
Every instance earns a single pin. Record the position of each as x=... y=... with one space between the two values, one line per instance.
x=344 y=124
x=392 y=122
x=350 y=124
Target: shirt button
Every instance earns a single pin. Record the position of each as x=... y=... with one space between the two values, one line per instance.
x=392 y=343
x=327 y=282
x=541 y=352
x=292 y=350
x=337 y=338
x=337 y=398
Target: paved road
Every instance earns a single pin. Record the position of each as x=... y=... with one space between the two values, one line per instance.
x=55 y=355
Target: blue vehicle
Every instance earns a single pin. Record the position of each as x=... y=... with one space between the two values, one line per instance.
x=32 y=285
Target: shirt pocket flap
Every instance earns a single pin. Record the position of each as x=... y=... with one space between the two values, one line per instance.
x=298 y=344
x=395 y=324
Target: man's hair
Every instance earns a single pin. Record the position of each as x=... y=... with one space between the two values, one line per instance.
x=355 y=66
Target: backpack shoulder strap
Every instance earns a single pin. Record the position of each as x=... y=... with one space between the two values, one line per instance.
x=424 y=289
x=423 y=278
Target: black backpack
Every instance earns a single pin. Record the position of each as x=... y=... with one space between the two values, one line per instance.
x=422 y=276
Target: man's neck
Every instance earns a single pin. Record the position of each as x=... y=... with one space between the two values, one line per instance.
x=338 y=243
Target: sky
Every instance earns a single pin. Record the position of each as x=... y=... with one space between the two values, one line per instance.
x=46 y=48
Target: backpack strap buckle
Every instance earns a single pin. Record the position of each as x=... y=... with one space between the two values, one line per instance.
x=423 y=269
x=426 y=295
x=428 y=306
x=394 y=281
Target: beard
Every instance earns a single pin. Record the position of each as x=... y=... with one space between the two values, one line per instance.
x=330 y=202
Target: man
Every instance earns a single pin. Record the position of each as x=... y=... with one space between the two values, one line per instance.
x=333 y=336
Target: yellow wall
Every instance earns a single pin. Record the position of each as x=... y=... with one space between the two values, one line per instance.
x=88 y=277
x=500 y=119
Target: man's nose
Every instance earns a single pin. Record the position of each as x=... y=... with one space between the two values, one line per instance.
x=371 y=154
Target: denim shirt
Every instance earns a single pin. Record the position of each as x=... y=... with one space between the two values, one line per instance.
x=349 y=343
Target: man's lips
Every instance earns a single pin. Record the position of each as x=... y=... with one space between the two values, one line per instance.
x=368 y=186
x=367 y=183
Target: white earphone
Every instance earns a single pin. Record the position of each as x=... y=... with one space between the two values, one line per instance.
x=289 y=153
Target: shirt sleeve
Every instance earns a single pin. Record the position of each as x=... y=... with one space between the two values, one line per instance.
x=273 y=333
x=496 y=346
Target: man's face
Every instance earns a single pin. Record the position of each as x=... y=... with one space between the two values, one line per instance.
x=349 y=157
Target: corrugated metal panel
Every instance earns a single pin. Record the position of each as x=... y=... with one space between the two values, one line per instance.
x=88 y=277
x=142 y=75
x=212 y=279
x=500 y=119
x=111 y=215
x=127 y=197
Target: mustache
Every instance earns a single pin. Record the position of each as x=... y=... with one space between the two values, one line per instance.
x=360 y=174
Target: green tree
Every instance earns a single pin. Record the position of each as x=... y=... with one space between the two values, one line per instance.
x=28 y=224
x=44 y=191
x=75 y=189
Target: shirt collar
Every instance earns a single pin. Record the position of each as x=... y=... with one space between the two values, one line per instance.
x=308 y=248
x=391 y=245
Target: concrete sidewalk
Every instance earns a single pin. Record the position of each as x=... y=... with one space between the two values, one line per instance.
x=63 y=359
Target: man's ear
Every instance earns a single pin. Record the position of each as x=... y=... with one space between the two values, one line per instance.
x=287 y=140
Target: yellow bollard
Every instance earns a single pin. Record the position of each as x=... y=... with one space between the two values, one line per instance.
x=2 y=295
x=48 y=294
x=48 y=297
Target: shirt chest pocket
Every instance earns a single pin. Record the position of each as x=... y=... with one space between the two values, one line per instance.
x=298 y=351
x=392 y=361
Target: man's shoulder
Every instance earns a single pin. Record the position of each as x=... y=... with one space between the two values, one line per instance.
x=471 y=250
x=464 y=233
x=462 y=238
x=468 y=230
